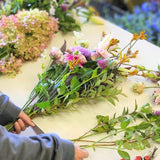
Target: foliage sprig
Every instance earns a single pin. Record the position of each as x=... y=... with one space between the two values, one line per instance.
x=137 y=130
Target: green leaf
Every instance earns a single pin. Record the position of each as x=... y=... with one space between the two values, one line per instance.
x=99 y=129
x=125 y=112
x=127 y=145
x=125 y=123
x=146 y=108
x=159 y=67
x=61 y=89
x=99 y=119
x=146 y=143
x=56 y=101
x=98 y=82
x=111 y=100
x=94 y=74
x=75 y=83
x=129 y=134
x=143 y=125
x=124 y=155
x=45 y=104
x=105 y=119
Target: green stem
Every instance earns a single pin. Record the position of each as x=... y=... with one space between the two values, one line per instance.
x=151 y=87
x=82 y=137
x=82 y=84
x=87 y=146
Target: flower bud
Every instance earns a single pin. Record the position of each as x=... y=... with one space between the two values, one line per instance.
x=64 y=7
x=96 y=20
x=146 y=158
x=157 y=113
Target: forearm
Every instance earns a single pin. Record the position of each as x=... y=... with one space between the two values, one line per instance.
x=40 y=147
x=8 y=111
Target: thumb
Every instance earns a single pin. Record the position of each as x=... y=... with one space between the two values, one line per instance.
x=84 y=153
x=26 y=119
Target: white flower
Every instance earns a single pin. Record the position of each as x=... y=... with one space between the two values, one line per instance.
x=52 y=11
x=105 y=42
x=80 y=39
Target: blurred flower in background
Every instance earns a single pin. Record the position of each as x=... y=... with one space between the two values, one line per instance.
x=144 y=17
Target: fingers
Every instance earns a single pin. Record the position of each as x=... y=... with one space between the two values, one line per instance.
x=22 y=123
x=26 y=119
x=19 y=126
x=80 y=153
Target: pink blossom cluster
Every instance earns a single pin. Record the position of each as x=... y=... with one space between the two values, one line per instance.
x=74 y=55
x=79 y=55
x=25 y=36
x=11 y=66
x=156 y=96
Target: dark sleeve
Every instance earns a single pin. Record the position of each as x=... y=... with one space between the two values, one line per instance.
x=8 y=111
x=40 y=147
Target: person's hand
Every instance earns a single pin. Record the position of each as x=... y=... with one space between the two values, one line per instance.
x=22 y=123
x=80 y=153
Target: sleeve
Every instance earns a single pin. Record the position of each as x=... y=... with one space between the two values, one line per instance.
x=8 y=111
x=39 y=147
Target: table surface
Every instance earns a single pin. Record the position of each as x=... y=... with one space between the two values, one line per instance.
x=72 y=124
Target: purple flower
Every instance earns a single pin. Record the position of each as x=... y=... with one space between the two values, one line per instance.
x=84 y=51
x=157 y=113
x=64 y=7
x=103 y=63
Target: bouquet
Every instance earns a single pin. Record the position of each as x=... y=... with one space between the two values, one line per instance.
x=78 y=74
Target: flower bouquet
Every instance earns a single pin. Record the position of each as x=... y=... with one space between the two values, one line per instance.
x=78 y=74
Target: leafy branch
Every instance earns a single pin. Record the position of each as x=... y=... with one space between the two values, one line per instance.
x=138 y=136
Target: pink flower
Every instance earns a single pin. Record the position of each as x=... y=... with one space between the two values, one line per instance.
x=103 y=63
x=156 y=96
x=81 y=57
x=84 y=51
x=157 y=113
x=102 y=52
x=77 y=59
x=68 y=57
x=57 y=55
x=95 y=55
